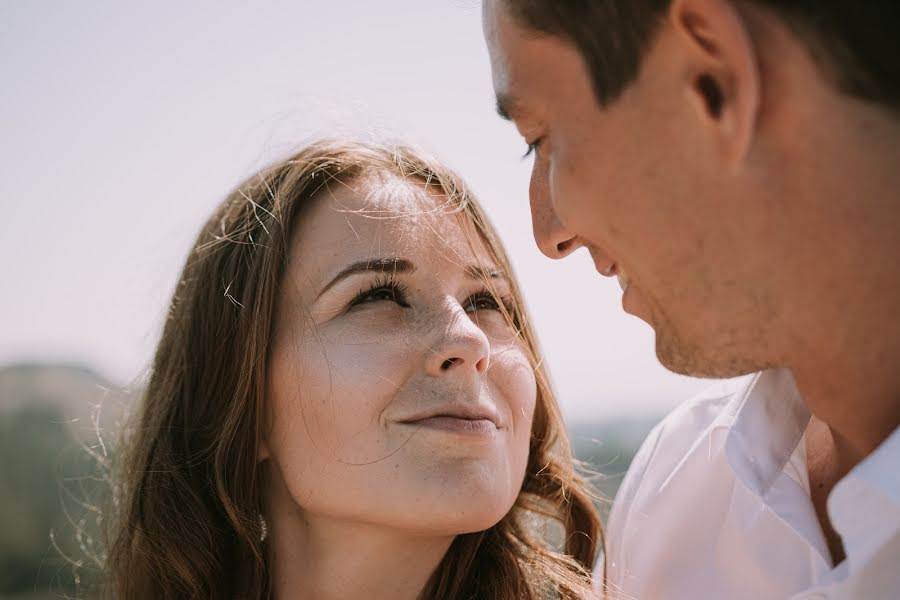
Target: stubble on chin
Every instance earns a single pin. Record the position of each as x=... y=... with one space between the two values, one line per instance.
x=720 y=356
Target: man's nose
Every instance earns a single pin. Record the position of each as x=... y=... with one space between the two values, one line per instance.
x=552 y=237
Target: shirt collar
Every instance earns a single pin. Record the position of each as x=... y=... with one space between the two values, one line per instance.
x=864 y=506
x=879 y=470
x=767 y=423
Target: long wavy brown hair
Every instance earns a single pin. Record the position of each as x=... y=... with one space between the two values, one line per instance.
x=185 y=521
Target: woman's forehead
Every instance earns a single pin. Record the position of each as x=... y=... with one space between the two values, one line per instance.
x=387 y=216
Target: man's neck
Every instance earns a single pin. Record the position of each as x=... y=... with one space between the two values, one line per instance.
x=843 y=320
x=854 y=389
x=843 y=330
x=827 y=463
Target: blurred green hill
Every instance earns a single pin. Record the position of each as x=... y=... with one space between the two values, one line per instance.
x=57 y=426
x=52 y=418
x=605 y=450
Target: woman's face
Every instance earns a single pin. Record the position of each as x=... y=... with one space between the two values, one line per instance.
x=398 y=394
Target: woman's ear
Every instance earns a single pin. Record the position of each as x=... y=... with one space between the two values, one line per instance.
x=262 y=449
x=262 y=443
x=263 y=428
x=721 y=72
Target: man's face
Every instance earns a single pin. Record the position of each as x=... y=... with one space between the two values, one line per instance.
x=639 y=184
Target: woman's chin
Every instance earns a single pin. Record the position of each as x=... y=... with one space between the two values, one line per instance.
x=468 y=516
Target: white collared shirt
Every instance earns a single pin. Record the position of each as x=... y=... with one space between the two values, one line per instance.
x=716 y=506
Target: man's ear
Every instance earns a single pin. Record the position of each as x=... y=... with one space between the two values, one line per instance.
x=722 y=76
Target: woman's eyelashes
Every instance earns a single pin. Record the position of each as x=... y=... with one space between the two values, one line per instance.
x=390 y=290
x=483 y=300
x=382 y=290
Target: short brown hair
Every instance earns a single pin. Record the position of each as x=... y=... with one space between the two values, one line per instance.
x=856 y=43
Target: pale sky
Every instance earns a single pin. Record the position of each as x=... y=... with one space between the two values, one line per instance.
x=124 y=124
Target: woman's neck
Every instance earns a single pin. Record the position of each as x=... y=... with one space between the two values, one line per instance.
x=328 y=559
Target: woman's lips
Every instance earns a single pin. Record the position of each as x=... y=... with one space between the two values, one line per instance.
x=477 y=426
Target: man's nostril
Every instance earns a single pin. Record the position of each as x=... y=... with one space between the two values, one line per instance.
x=563 y=246
x=447 y=364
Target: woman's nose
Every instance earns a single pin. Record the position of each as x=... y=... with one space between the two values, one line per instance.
x=460 y=345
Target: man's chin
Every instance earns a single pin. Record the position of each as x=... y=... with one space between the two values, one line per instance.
x=703 y=361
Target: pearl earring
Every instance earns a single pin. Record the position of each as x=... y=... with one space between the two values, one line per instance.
x=263 y=529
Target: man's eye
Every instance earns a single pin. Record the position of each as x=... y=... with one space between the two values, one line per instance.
x=532 y=148
x=529 y=151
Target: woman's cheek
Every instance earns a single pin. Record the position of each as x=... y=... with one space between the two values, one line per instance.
x=347 y=382
x=513 y=377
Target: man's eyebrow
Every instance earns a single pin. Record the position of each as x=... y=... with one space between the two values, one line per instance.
x=376 y=265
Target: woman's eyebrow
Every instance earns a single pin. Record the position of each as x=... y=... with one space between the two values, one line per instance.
x=377 y=265
x=482 y=273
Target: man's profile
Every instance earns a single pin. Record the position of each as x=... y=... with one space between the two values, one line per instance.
x=734 y=163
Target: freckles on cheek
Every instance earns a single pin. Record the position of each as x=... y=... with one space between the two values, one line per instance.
x=513 y=377
x=348 y=380
x=361 y=360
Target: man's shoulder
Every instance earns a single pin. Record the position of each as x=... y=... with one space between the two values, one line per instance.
x=691 y=421
x=662 y=452
x=678 y=434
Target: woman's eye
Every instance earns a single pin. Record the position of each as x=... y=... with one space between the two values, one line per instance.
x=483 y=301
x=381 y=294
x=389 y=293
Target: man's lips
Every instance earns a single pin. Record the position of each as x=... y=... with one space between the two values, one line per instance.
x=603 y=262
x=609 y=268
